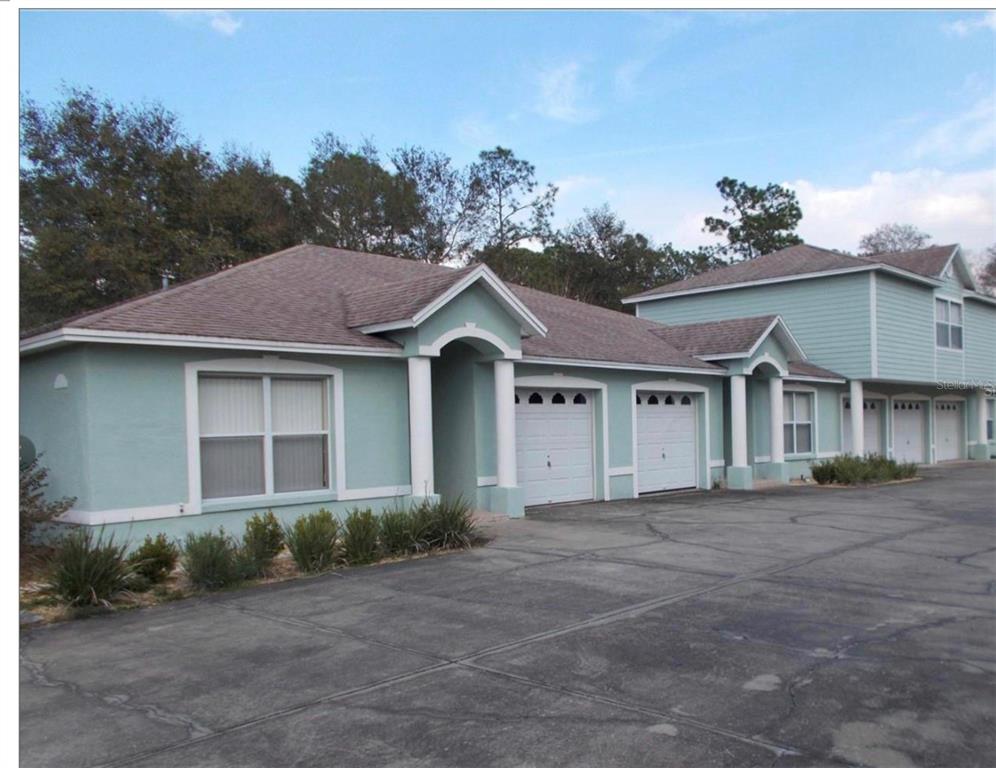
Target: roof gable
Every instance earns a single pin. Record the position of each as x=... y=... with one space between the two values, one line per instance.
x=731 y=339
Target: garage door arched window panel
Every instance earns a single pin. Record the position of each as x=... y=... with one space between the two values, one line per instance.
x=652 y=400
x=580 y=399
x=669 y=400
x=536 y=399
x=798 y=425
x=558 y=399
x=686 y=400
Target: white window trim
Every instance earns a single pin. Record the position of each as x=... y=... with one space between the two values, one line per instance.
x=261 y=367
x=814 y=419
x=703 y=479
x=950 y=325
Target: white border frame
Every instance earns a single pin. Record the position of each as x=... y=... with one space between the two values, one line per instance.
x=573 y=382
x=260 y=366
x=815 y=392
x=468 y=331
x=672 y=385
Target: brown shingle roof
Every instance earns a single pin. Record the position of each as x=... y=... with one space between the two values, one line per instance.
x=316 y=295
x=794 y=260
x=929 y=262
x=803 y=368
x=806 y=259
x=580 y=331
x=399 y=300
x=717 y=337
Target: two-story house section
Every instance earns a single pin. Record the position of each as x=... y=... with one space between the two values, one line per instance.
x=910 y=332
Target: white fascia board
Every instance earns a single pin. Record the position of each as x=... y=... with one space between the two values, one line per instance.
x=564 y=361
x=816 y=379
x=980 y=297
x=752 y=283
x=495 y=287
x=85 y=335
x=784 y=336
x=958 y=259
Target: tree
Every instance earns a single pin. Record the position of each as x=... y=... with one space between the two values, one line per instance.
x=510 y=208
x=763 y=218
x=352 y=202
x=987 y=274
x=447 y=205
x=112 y=199
x=892 y=238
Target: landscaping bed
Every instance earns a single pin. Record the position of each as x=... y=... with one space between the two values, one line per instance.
x=85 y=574
x=848 y=470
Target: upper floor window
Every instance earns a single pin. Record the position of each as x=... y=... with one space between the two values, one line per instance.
x=262 y=434
x=948 y=323
x=798 y=419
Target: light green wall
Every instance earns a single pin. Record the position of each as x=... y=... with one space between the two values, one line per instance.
x=126 y=417
x=980 y=342
x=54 y=419
x=905 y=325
x=829 y=317
x=827 y=415
x=474 y=305
x=454 y=422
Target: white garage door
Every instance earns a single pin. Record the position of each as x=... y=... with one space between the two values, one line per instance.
x=665 y=441
x=908 y=419
x=873 y=426
x=949 y=437
x=553 y=451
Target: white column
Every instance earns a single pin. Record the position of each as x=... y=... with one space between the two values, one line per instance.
x=738 y=418
x=777 y=426
x=505 y=422
x=980 y=419
x=857 y=418
x=420 y=424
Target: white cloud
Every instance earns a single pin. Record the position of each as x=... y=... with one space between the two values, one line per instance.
x=222 y=22
x=965 y=27
x=966 y=135
x=576 y=183
x=626 y=76
x=560 y=94
x=475 y=132
x=952 y=207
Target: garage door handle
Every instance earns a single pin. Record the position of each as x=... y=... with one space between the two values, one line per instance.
x=548 y=464
x=663 y=455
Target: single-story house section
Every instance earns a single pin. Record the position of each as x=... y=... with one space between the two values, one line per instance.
x=319 y=377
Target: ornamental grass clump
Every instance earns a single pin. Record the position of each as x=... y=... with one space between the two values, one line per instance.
x=313 y=540
x=261 y=542
x=155 y=559
x=861 y=470
x=360 y=532
x=88 y=571
x=396 y=532
x=452 y=524
x=212 y=560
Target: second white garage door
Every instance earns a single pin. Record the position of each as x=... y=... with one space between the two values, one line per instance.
x=665 y=441
x=949 y=425
x=553 y=452
x=908 y=419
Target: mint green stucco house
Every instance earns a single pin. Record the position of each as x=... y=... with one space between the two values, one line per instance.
x=317 y=377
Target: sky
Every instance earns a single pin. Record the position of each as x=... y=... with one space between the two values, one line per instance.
x=871 y=117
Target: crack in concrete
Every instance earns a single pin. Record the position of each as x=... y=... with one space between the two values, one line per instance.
x=40 y=677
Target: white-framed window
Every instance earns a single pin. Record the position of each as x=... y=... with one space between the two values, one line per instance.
x=948 y=323
x=798 y=416
x=990 y=409
x=262 y=434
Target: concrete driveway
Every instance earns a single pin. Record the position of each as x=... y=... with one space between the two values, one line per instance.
x=794 y=627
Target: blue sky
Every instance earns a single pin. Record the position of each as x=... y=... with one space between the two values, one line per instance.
x=870 y=117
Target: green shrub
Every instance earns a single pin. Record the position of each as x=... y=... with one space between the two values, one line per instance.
x=88 y=571
x=155 y=559
x=452 y=524
x=34 y=508
x=212 y=560
x=313 y=540
x=359 y=537
x=262 y=541
x=860 y=470
x=396 y=534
